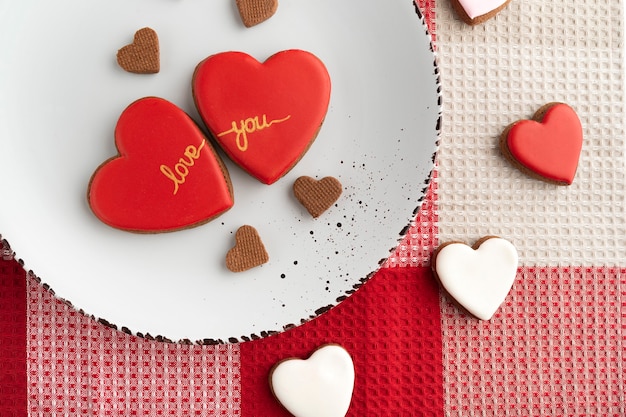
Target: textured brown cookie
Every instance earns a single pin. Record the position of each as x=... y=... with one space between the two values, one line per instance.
x=253 y=12
x=142 y=56
x=248 y=251
x=317 y=196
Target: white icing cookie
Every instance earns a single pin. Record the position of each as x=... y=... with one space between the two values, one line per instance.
x=320 y=386
x=480 y=277
x=475 y=12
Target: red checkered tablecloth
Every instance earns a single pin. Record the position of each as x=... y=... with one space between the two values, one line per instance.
x=555 y=348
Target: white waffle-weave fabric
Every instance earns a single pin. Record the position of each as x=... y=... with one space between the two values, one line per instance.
x=544 y=352
x=532 y=53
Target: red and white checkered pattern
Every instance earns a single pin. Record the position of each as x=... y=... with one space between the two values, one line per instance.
x=555 y=348
x=79 y=367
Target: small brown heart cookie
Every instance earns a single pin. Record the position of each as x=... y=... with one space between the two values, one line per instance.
x=317 y=196
x=248 y=251
x=141 y=56
x=254 y=12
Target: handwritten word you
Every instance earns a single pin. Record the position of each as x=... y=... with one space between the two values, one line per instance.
x=249 y=126
x=178 y=175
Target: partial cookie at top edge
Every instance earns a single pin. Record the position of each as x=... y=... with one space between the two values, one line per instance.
x=475 y=12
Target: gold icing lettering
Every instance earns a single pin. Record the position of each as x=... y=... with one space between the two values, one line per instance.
x=249 y=126
x=178 y=175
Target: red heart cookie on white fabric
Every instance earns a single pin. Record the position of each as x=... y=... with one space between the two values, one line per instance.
x=479 y=277
x=265 y=115
x=548 y=146
x=166 y=176
x=321 y=385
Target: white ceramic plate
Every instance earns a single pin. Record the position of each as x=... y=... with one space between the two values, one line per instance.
x=61 y=93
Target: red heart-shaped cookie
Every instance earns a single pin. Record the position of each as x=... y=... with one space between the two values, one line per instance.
x=166 y=176
x=548 y=146
x=264 y=115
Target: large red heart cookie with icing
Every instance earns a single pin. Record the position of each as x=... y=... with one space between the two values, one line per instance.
x=548 y=146
x=265 y=115
x=166 y=176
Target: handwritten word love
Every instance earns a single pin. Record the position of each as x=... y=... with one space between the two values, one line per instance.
x=248 y=126
x=181 y=169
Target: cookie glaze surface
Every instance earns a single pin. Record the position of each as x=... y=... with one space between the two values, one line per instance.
x=166 y=176
x=549 y=145
x=321 y=385
x=264 y=115
x=479 y=278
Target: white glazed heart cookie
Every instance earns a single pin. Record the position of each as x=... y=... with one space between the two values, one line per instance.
x=318 y=386
x=478 y=278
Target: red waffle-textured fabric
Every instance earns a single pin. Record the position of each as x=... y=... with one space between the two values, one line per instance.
x=427 y=8
x=417 y=245
x=555 y=348
x=79 y=367
x=13 y=395
x=390 y=326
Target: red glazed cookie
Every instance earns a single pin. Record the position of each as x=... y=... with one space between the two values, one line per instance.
x=548 y=146
x=166 y=176
x=264 y=115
